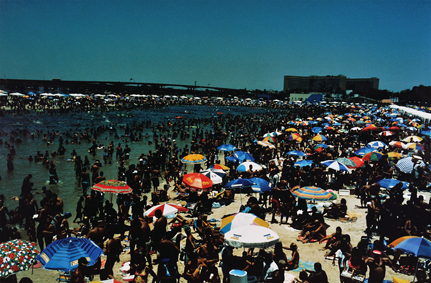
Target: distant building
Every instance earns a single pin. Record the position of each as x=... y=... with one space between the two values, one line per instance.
x=328 y=84
x=306 y=97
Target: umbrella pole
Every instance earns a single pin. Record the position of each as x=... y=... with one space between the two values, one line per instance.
x=416 y=269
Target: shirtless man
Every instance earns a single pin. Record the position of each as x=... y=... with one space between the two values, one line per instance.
x=209 y=253
x=78 y=275
x=98 y=235
x=159 y=230
x=112 y=252
x=377 y=263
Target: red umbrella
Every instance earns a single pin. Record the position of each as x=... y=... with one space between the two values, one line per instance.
x=394 y=128
x=166 y=208
x=197 y=182
x=370 y=128
x=358 y=161
x=112 y=186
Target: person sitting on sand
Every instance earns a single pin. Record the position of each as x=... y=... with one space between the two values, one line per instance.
x=336 y=210
x=332 y=239
x=318 y=232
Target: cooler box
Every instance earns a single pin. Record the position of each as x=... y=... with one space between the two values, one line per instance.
x=238 y=276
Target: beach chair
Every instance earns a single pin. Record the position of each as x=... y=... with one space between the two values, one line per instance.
x=64 y=277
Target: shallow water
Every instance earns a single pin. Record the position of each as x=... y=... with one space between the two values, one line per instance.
x=68 y=188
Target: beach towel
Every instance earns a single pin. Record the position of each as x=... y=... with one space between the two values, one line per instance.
x=351 y=217
x=308 y=265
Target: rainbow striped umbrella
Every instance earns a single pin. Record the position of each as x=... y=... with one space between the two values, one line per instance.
x=241 y=219
x=372 y=156
x=112 y=186
x=414 y=146
x=313 y=193
x=319 y=138
x=193 y=158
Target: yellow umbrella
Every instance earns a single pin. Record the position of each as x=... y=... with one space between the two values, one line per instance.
x=291 y=130
x=394 y=155
x=194 y=158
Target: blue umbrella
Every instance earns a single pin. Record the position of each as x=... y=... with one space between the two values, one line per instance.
x=365 y=150
x=261 y=185
x=239 y=183
x=242 y=155
x=64 y=254
x=227 y=147
x=390 y=183
x=337 y=166
x=232 y=158
x=303 y=163
x=297 y=153
x=316 y=130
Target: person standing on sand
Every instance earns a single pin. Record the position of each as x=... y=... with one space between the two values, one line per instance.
x=112 y=252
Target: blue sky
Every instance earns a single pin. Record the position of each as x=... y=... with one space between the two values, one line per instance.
x=226 y=43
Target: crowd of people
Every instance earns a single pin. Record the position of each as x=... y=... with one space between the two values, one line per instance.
x=389 y=216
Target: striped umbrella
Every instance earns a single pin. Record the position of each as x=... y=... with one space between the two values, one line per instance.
x=319 y=138
x=64 y=254
x=166 y=208
x=335 y=165
x=215 y=175
x=412 y=139
x=219 y=167
x=376 y=144
x=372 y=156
x=112 y=186
x=241 y=219
x=295 y=137
x=397 y=144
x=365 y=150
x=197 y=182
x=414 y=146
x=312 y=193
x=265 y=144
x=193 y=158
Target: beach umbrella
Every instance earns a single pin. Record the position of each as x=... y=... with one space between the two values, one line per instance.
x=390 y=183
x=251 y=236
x=365 y=150
x=265 y=144
x=64 y=254
x=227 y=147
x=260 y=185
x=417 y=246
x=358 y=161
x=319 y=138
x=312 y=193
x=295 y=137
x=197 y=182
x=406 y=164
x=219 y=167
x=112 y=186
x=291 y=130
x=414 y=146
x=397 y=144
x=166 y=208
x=372 y=156
x=346 y=161
x=316 y=130
x=296 y=152
x=335 y=165
x=394 y=128
x=215 y=175
x=394 y=155
x=245 y=166
x=270 y=139
x=241 y=219
x=370 y=128
x=239 y=183
x=355 y=129
x=243 y=155
x=376 y=144
x=193 y=158
x=303 y=163
x=16 y=255
x=412 y=139
x=386 y=133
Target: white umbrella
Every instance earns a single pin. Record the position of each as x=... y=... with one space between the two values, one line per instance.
x=245 y=166
x=215 y=175
x=251 y=237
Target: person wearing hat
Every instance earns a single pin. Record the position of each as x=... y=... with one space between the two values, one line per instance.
x=79 y=274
